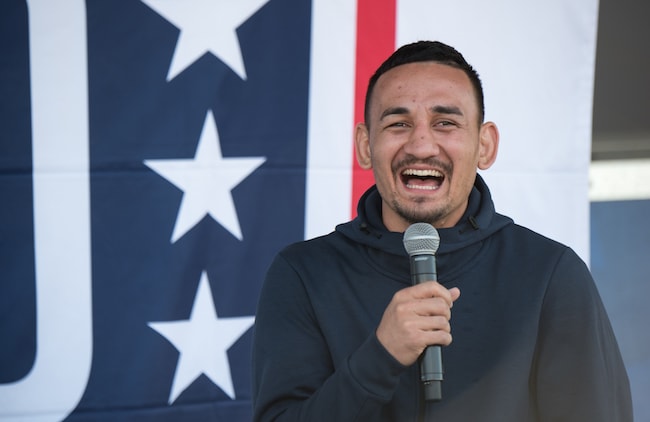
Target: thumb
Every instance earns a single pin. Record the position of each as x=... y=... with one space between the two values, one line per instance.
x=455 y=293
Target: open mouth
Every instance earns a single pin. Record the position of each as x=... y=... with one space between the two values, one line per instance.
x=422 y=179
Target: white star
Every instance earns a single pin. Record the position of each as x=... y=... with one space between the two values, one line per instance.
x=206 y=182
x=206 y=26
x=203 y=342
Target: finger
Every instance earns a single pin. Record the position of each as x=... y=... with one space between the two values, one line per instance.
x=439 y=337
x=432 y=323
x=433 y=306
x=455 y=293
x=434 y=289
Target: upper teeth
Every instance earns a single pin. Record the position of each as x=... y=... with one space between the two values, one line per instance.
x=422 y=173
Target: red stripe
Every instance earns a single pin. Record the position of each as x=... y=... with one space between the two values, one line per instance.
x=375 y=42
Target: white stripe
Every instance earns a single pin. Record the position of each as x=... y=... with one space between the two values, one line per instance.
x=619 y=180
x=61 y=216
x=536 y=60
x=331 y=116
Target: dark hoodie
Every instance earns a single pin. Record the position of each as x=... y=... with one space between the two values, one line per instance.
x=531 y=339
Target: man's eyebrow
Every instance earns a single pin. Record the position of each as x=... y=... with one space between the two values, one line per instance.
x=441 y=109
x=394 y=110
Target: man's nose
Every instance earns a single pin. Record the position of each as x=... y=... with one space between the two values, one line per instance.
x=422 y=142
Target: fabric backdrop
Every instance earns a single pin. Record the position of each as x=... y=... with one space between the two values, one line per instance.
x=156 y=154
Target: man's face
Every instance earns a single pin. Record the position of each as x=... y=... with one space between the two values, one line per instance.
x=424 y=144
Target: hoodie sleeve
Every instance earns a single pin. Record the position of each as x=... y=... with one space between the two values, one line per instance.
x=580 y=375
x=294 y=377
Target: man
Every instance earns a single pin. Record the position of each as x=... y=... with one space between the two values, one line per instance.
x=339 y=327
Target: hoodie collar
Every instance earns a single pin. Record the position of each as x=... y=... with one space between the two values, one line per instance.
x=478 y=222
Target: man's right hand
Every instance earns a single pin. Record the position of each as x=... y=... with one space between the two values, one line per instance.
x=417 y=317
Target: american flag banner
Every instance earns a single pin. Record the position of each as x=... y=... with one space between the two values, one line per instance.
x=156 y=154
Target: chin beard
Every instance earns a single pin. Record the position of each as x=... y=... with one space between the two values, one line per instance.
x=414 y=215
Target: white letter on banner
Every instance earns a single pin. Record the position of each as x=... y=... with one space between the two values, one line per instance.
x=61 y=183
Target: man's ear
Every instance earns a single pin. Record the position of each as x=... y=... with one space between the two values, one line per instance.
x=362 y=146
x=488 y=145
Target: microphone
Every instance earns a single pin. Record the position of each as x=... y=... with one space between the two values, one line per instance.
x=421 y=241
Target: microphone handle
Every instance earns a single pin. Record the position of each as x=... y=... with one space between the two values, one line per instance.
x=423 y=268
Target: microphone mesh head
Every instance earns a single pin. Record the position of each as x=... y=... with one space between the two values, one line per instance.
x=421 y=238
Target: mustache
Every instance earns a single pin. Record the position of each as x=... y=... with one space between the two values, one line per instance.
x=410 y=160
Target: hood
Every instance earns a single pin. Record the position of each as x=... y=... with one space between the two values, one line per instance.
x=479 y=221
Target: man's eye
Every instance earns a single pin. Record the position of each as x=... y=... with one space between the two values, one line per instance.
x=398 y=124
x=445 y=123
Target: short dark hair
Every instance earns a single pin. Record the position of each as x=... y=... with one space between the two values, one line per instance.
x=428 y=51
